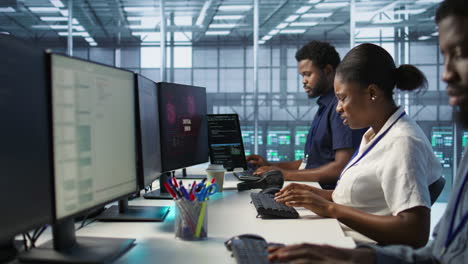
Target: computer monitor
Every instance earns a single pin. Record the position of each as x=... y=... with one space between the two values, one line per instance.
x=93 y=137
x=25 y=171
x=300 y=139
x=184 y=138
x=279 y=143
x=149 y=131
x=442 y=140
x=149 y=162
x=248 y=136
x=225 y=141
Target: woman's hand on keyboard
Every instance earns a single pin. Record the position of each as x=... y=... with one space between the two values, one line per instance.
x=298 y=197
x=297 y=186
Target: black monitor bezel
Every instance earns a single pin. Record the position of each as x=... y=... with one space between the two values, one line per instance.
x=142 y=181
x=51 y=142
x=15 y=231
x=239 y=131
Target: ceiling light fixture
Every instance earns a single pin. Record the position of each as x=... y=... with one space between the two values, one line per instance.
x=317 y=15
x=7 y=10
x=303 y=10
x=217 y=32
x=292 y=31
x=291 y=18
x=227 y=17
x=282 y=25
x=44 y=9
x=140 y=9
x=331 y=5
x=222 y=26
x=57 y=3
x=234 y=7
x=303 y=24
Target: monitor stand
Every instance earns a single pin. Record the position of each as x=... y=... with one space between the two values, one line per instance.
x=191 y=176
x=67 y=248
x=161 y=193
x=125 y=213
x=8 y=250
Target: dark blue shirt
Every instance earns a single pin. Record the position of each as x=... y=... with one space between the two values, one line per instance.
x=328 y=134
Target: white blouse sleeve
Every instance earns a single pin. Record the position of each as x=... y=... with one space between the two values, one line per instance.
x=404 y=173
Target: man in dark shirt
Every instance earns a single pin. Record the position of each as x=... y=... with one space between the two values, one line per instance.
x=330 y=144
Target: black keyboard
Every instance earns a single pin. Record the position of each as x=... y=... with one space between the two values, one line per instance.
x=267 y=206
x=249 y=249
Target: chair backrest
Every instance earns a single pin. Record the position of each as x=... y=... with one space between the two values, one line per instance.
x=436 y=188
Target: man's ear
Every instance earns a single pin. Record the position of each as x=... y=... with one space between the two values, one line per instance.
x=329 y=71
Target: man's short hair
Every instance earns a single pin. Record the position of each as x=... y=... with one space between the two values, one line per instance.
x=451 y=8
x=320 y=53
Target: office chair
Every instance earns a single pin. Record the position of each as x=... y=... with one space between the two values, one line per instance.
x=436 y=188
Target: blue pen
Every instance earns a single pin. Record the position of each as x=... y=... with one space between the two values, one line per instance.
x=184 y=192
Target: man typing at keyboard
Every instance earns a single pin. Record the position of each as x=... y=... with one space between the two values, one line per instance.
x=330 y=144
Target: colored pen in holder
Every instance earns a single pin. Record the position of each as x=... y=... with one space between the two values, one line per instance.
x=191 y=219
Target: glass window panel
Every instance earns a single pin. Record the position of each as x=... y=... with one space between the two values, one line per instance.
x=182 y=57
x=81 y=53
x=102 y=55
x=264 y=56
x=291 y=56
x=206 y=78
x=293 y=80
x=183 y=76
x=276 y=57
x=205 y=57
x=231 y=57
x=231 y=80
x=431 y=75
x=130 y=57
x=275 y=79
x=152 y=74
x=423 y=52
x=150 y=57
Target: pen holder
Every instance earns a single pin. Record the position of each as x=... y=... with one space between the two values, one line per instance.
x=191 y=219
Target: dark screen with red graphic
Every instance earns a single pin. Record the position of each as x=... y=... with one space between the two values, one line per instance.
x=184 y=137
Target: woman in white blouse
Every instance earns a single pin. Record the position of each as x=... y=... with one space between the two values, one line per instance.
x=383 y=191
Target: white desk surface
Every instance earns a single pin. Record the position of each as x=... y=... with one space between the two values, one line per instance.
x=229 y=214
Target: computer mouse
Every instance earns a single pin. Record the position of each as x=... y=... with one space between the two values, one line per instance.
x=271 y=190
x=228 y=242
